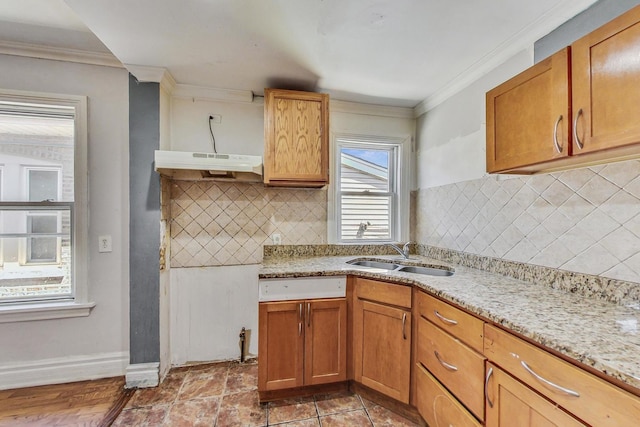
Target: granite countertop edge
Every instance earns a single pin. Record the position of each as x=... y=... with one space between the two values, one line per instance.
x=598 y=334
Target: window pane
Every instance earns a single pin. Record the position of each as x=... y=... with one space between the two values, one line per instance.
x=35 y=267
x=364 y=170
x=43 y=185
x=365 y=217
x=42 y=249
x=38 y=142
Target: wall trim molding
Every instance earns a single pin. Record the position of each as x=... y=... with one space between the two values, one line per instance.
x=520 y=41
x=59 y=54
x=370 y=109
x=63 y=369
x=143 y=375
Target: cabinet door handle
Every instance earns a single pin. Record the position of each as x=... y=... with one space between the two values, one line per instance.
x=404 y=321
x=444 y=319
x=299 y=319
x=486 y=388
x=547 y=382
x=575 y=130
x=555 y=135
x=308 y=315
x=449 y=366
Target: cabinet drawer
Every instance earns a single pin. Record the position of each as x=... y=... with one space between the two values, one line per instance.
x=437 y=406
x=590 y=398
x=461 y=325
x=457 y=366
x=386 y=293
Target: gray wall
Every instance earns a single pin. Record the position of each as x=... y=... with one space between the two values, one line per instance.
x=595 y=16
x=144 y=222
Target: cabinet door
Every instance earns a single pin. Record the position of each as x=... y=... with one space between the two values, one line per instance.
x=325 y=341
x=510 y=403
x=280 y=345
x=528 y=116
x=437 y=406
x=296 y=138
x=606 y=95
x=382 y=343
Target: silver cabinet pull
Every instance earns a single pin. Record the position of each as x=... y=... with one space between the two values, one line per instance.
x=299 y=328
x=404 y=321
x=486 y=388
x=575 y=130
x=555 y=135
x=547 y=382
x=308 y=315
x=444 y=319
x=449 y=366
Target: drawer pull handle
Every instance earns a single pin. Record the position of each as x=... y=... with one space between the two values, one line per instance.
x=486 y=388
x=299 y=328
x=547 y=382
x=404 y=321
x=444 y=319
x=308 y=315
x=575 y=130
x=449 y=366
x=555 y=135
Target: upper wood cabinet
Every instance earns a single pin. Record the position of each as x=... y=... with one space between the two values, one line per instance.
x=528 y=116
x=578 y=107
x=296 y=151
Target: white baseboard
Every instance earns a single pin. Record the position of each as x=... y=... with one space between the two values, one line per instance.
x=63 y=370
x=142 y=375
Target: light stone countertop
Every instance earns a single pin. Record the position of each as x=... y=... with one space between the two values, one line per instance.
x=596 y=333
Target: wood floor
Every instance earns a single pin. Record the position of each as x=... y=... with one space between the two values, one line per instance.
x=86 y=403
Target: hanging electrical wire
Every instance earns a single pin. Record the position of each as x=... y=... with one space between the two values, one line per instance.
x=213 y=138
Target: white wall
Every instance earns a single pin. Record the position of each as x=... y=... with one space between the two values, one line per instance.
x=451 y=137
x=102 y=339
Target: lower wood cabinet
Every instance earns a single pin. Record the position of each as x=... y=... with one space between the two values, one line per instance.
x=302 y=342
x=437 y=406
x=511 y=403
x=382 y=337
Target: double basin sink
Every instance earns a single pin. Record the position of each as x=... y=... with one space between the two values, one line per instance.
x=396 y=266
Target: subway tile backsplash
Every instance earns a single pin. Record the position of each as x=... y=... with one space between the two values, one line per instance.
x=227 y=223
x=585 y=220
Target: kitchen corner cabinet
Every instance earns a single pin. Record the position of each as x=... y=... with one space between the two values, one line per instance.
x=578 y=107
x=382 y=337
x=296 y=151
x=302 y=342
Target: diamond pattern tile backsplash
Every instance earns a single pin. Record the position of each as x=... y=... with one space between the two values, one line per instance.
x=585 y=220
x=226 y=223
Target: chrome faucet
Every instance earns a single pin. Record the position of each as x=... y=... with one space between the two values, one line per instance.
x=404 y=251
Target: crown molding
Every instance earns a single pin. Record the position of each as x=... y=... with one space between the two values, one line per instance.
x=58 y=54
x=520 y=41
x=371 y=109
x=145 y=73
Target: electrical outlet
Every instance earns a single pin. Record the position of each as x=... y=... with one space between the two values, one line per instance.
x=277 y=239
x=104 y=243
x=215 y=118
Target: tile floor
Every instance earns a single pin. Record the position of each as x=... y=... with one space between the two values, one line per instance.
x=225 y=394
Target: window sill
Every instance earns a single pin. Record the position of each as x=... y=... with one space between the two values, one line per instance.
x=44 y=311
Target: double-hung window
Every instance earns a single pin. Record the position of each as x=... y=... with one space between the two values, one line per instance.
x=42 y=156
x=367 y=189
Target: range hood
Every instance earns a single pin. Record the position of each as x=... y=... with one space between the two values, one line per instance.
x=190 y=165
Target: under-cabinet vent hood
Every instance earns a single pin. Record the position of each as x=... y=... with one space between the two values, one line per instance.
x=189 y=165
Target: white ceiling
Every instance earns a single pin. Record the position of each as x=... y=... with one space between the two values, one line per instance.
x=390 y=52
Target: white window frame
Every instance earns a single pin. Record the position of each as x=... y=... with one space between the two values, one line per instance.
x=399 y=226
x=79 y=304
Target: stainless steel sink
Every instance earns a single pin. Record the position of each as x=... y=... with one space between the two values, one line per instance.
x=374 y=264
x=392 y=266
x=425 y=270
